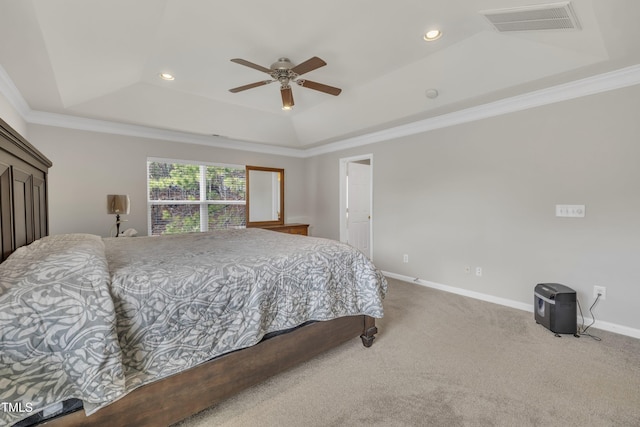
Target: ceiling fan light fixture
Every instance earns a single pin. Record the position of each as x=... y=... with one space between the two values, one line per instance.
x=287 y=97
x=284 y=72
x=432 y=35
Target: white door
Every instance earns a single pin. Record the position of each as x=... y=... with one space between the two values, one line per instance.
x=359 y=206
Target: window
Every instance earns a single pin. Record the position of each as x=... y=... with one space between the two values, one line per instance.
x=190 y=196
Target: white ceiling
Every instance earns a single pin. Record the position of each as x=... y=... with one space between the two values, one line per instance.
x=102 y=59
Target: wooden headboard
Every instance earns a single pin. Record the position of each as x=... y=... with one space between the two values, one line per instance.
x=23 y=192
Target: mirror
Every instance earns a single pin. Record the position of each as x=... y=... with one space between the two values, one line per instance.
x=265 y=196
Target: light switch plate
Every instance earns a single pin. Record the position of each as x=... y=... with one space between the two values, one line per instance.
x=571 y=211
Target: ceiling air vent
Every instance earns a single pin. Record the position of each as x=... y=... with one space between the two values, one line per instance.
x=555 y=16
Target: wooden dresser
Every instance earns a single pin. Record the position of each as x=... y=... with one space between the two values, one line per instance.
x=289 y=228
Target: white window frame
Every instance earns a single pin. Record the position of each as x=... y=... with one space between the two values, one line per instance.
x=203 y=202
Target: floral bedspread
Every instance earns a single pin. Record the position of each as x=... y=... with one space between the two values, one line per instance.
x=183 y=299
x=57 y=327
x=94 y=318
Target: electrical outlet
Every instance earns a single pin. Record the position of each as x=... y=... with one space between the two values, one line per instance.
x=600 y=290
x=478 y=271
x=405 y=258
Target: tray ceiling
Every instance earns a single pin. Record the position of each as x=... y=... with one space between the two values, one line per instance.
x=102 y=60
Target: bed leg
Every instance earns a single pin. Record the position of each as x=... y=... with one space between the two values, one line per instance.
x=369 y=331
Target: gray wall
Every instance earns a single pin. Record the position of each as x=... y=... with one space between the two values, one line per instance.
x=89 y=165
x=484 y=194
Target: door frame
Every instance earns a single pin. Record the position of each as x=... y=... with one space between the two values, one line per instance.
x=343 y=198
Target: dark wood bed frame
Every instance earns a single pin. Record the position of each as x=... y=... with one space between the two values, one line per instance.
x=24 y=218
x=23 y=192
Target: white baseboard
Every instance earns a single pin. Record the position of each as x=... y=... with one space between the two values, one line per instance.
x=605 y=326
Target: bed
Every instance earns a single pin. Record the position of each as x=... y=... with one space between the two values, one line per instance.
x=116 y=310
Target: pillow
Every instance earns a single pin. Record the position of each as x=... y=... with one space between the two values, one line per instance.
x=46 y=244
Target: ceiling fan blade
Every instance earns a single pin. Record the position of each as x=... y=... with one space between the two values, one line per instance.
x=308 y=65
x=287 y=97
x=251 y=65
x=319 y=86
x=250 y=86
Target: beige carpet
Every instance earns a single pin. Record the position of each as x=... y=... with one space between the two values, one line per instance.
x=445 y=360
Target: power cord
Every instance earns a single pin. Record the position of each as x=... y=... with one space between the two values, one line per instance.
x=583 y=330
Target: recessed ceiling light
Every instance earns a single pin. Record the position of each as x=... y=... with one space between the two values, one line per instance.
x=167 y=76
x=432 y=35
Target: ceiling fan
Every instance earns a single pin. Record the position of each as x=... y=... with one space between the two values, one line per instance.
x=285 y=72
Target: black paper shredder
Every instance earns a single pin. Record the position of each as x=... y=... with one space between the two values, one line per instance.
x=555 y=308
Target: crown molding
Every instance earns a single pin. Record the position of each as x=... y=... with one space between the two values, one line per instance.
x=104 y=126
x=12 y=94
x=617 y=79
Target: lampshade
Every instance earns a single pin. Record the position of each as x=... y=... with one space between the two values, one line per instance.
x=118 y=204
